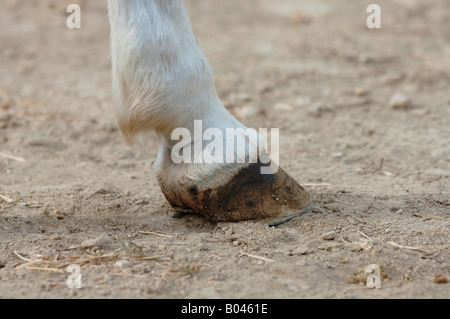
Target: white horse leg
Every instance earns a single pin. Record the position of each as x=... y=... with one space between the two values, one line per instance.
x=162 y=81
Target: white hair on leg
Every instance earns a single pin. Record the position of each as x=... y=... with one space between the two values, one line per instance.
x=161 y=78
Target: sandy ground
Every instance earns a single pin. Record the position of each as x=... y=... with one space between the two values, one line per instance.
x=379 y=175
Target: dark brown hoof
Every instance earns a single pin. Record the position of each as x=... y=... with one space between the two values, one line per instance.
x=247 y=195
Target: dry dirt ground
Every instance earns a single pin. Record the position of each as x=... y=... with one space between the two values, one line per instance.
x=379 y=175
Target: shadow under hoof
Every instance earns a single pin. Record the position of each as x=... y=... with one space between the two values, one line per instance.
x=282 y=220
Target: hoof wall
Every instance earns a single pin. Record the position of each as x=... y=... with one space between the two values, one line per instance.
x=244 y=194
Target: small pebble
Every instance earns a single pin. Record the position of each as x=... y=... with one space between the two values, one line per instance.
x=203 y=247
x=300 y=250
x=360 y=92
x=440 y=279
x=400 y=101
x=283 y=107
x=5 y=105
x=147 y=290
x=247 y=111
x=122 y=264
x=331 y=235
x=101 y=240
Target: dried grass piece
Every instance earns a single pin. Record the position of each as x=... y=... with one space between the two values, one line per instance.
x=436 y=217
x=257 y=257
x=406 y=247
x=21 y=257
x=156 y=234
x=12 y=157
x=6 y=198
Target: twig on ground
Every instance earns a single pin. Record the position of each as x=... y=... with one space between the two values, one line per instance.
x=11 y=157
x=156 y=234
x=436 y=217
x=364 y=235
x=6 y=198
x=406 y=247
x=257 y=257
x=21 y=257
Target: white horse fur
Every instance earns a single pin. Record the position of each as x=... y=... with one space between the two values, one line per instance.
x=163 y=81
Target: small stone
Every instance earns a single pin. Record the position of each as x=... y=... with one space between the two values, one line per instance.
x=337 y=154
x=317 y=210
x=143 y=268
x=331 y=235
x=106 y=190
x=5 y=105
x=440 y=279
x=122 y=264
x=224 y=225
x=247 y=111
x=203 y=247
x=300 y=250
x=283 y=107
x=147 y=290
x=360 y=92
x=299 y=18
x=400 y=101
x=101 y=240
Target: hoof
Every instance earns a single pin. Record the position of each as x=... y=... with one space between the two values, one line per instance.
x=246 y=194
